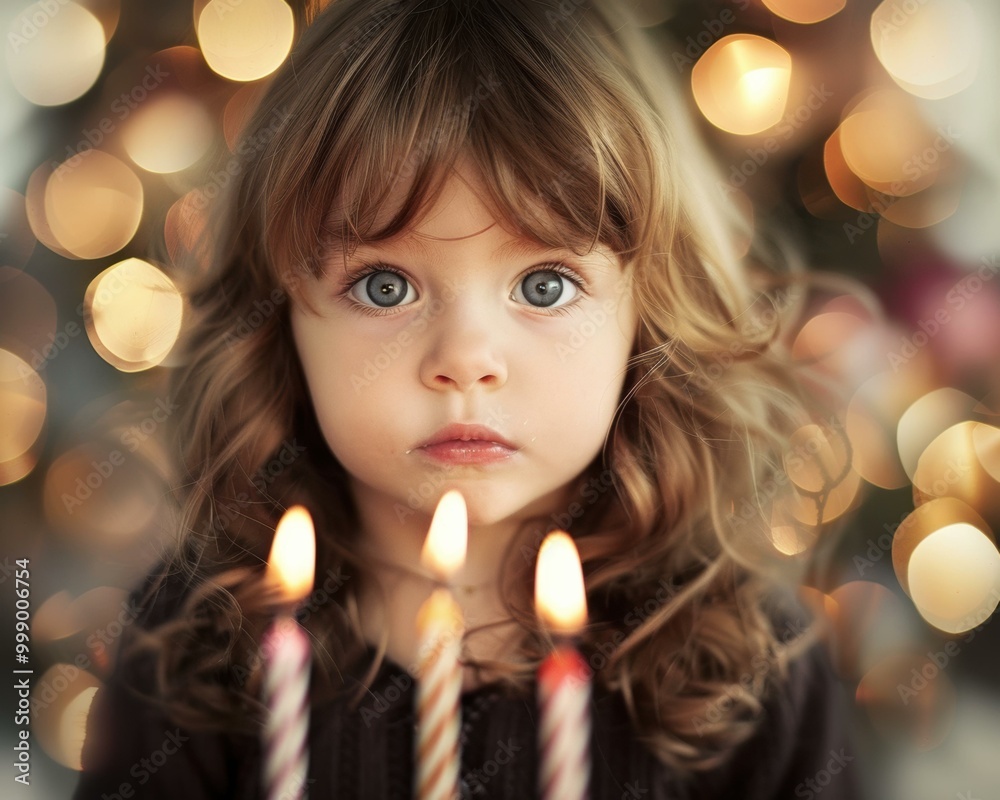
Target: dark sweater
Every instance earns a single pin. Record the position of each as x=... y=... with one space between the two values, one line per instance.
x=802 y=748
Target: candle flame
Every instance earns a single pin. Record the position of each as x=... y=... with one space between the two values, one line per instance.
x=444 y=547
x=559 y=594
x=293 y=555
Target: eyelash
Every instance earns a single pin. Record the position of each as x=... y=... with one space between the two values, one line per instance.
x=371 y=268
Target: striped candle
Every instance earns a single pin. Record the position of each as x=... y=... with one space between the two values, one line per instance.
x=286 y=687
x=290 y=571
x=439 y=672
x=564 y=730
x=439 y=698
x=564 y=677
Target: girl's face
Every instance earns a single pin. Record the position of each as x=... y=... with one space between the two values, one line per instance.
x=459 y=356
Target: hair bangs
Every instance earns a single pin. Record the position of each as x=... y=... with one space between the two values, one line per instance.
x=453 y=85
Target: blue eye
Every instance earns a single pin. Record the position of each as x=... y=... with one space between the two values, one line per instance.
x=383 y=289
x=545 y=288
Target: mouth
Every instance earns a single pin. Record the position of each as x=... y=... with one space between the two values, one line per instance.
x=467 y=444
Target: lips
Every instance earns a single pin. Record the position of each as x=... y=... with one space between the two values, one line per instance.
x=467 y=444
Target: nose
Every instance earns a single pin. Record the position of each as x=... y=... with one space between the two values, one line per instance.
x=464 y=350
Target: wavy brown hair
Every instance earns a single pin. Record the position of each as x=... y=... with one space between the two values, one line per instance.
x=570 y=117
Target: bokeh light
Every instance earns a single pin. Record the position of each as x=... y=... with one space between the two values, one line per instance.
x=847 y=186
x=133 y=315
x=61 y=701
x=23 y=411
x=805 y=13
x=108 y=13
x=986 y=443
x=101 y=495
x=931 y=48
x=930 y=207
x=741 y=83
x=55 y=52
x=168 y=133
x=925 y=419
x=816 y=458
x=887 y=144
x=873 y=415
x=869 y=624
x=908 y=699
x=950 y=467
x=841 y=344
x=93 y=204
x=954 y=577
x=60 y=616
x=245 y=41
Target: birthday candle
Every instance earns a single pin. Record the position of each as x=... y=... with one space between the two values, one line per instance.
x=564 y=677
x=439 y=630
x=290 y=568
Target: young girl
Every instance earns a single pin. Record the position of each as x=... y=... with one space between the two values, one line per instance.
x=477 y=253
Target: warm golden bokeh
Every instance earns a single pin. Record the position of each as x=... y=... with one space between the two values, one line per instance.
x=134 y=314
x=889 y=146
x=805 y=13
x=61 y=701
x=168 y=133
x=55 y=51
x=908 y=699
x=950 y=467
x=245 y=41
x=741 y=83
x=23 y=410
x=925 y=419
x=93 y=204
x=931 y=48
x=954 y=577
x=101 y=495
x=869 y=623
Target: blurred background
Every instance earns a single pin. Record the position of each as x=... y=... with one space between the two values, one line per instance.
x=868 y=133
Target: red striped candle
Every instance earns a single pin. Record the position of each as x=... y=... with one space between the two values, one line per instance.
x=564 y=677
x=439 y=629
x=286 y=681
